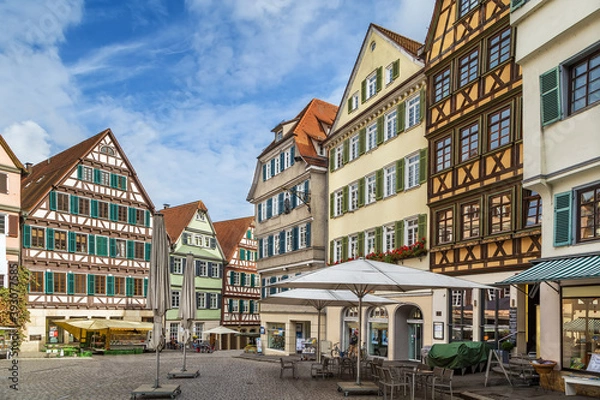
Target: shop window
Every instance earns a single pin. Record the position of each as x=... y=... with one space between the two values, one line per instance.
x=461 y=315
x=377 y=339
x=580 y=326
x=276 y=336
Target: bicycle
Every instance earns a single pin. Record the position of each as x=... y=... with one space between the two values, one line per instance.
x=336 y=351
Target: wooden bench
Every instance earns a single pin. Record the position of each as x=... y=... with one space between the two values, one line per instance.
x=570 y=381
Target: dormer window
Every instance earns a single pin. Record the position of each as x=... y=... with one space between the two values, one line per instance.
x=278 y=136
x=200 y=216
x=107 y=150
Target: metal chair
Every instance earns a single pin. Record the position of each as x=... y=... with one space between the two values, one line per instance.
x=388 y=381
x=347 y=365
x=287 y=365
x=322 y=369
x=442 y=382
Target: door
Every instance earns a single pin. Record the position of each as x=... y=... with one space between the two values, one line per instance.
x=415 y=341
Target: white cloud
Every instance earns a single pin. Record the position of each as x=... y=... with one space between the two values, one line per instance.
x=30 y=139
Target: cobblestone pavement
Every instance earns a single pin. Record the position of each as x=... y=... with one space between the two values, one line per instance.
x=223 y=375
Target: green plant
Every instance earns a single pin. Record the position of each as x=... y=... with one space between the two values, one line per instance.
x=507 y=345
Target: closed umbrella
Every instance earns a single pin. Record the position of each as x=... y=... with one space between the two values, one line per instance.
x=319 y=299
x=363 y=276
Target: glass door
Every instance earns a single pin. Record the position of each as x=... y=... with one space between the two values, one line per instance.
x=415 y=341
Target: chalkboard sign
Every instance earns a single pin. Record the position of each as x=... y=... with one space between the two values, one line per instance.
x=512 y=320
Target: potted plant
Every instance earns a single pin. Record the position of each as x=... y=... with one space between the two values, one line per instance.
x=506 y=347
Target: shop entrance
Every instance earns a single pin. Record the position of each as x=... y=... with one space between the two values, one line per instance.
x=408 y=336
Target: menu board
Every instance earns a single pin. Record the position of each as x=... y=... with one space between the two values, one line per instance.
x=594 y=364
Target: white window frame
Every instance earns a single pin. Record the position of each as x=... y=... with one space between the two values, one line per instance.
x=178 y=265
x=338 y=201
x=302 y=236
x=235 y=306
x=263 y=211
x=87 y=174
x=411 y=231
x=369 y=242
x=370 y=189
x=277 y=166
x=275 y=202
x=175 y=298
x=245 y=306
x=371 y=137
x=355 y=101
x=391 y=121
x=265 y=247
x=371 y=85
x=277 y=246
x=354 y=143
x=413 y=111
x=389 y=238
x=389 y=181
x=268 y=169
x=389 y=73
x=104 y=178
x=214 y=301
x=200 y=300
x=339 y=156
x=353 y=196
x=289 y=240
x=203 y=267
x=216 y=270
x=412 y=170
x=337 y=250
x=353 y=246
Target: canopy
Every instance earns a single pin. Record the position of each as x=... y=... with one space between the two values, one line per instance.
x=364 y=276
x=219 y=330
x=557 y=270
x=319 y=299
x=80 y=327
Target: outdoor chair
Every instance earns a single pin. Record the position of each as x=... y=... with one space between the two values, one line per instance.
x=441 y=382
x=347 y=365
x=388 y=381
x=321 y=369
x=287 y=365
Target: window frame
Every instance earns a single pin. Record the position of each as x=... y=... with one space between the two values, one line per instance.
x=371 y=85
x=369 y=241
x=594 y=216
x=441 y=85
x=532 y=201
x=353 y=194
x=338 y=201
x=498 y=127
x=411 y=231
x=389 y=238
x=412 y=167
x=571 y=69
x=499 y=48
x=370 y=189
x=371 y=137
x=63 y=203
x=354 y=147
x=498 y=213
x=443 y=153
x=391 y=124
x=465 y=7
x=470 y=220
x=469 y=142
x=468 y=68
x=446 y=223
x=389 y=180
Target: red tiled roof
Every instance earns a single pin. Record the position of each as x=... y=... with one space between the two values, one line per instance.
x=178 y=217
x=230 y=233
x=408 y=44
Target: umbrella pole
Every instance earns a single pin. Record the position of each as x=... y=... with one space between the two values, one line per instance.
x=156 y=385
x=319 y=335
x=184 y=353
x=360 y=332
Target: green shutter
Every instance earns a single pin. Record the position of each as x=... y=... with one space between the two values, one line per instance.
x=562 y=219
x=147 y=222
x=50 y=238
x=399 y=233
x=26 y=236
x=344 y=199
x=422 y=110
x=422 y=226
x=97 y=176
x=94 y=208
x=110 y=285
x=378 y=239
x=128 y=286
x=112 y=247
x=231 y=278
x=380 y=125
x=345 y=248
x=49 y=282
x=346 y=151
x=361 y=192
x=74 y=204
x=379 y=184
x=331 y=161
x=349 y=105
x=514 y=4
x=361 y=243
x=101 y=246
x=70 y=283
x=92 y=244
x=379 y=79
x=114 y=212
x=243 y=279
x=363 y=91
x=130 y=249
x=148 y=251
x=400 y=175
x=71 y=242
x=362 y=141
x=423 y=166
x=131 y=217
x=400 y=115
x=123 y=182
x=550 y=96
x=91 y=281
x=52 y=200
x=331 y=252
x=146 y=287
x=242 y=254
x=80 y=172
x=395 y=69
x=331 y=205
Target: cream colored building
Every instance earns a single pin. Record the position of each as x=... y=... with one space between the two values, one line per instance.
x=558 y=48
x=377 y=188
x=288 y=191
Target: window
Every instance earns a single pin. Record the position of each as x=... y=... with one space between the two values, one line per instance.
x=62 y=202
x=338 y=203
x=470 y=220
x=371 y=189
x=584 y=81
x=413 y=111
x=372 y=85
x=214 y=301
x=412 y=171
x=444 y=226
x=339 y=156
x=200 y=300
x=277 y=165
x=411 y=228
x=389 y=74
x=499 y=128
x=104 y=178
x=579 y=305
x=60 y=240
x=80 y=281
x=3 y=183
x=369 y=242
x=277 y=246
x=268 y=169
x=499 y=48
x=87 y=174
x=174 y=331
x=36 y=282
x=60 y=283
x=389 y=236
x=121 y=213
x=138 y=287
x=140 y=217
x=469 y=142
x=37 y=237
x=532 y=206
x=201 y=269
x=275 y=203
x=353 y=247
x=441 y=85
x=302 y=233
x=81 y=243
x=234 y=306
x=84 y=206
x=353 y=194
x=391 y=122
x=443 y=154
x=371 y=136
x=354 y=140
x=389 y=180
x=457 y=297
x=139 y=250
x=236 y=278
x=103 y=208
x=216 y=270
x=588 y=204
x=120 y=286
x=464 y=6
x=278 y=136
x=467 y=68
x=353 y=102
x=120 y=248
x=99 y=284
x=107 y=150
x=3 y=223
x=500 y=213
x=337 y=250
x=263 y=211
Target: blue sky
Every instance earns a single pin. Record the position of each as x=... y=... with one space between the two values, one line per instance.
x=191 y=88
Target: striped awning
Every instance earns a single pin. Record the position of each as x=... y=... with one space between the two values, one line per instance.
x=557 y=270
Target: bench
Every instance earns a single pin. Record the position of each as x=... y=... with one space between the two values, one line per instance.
x=570 y=381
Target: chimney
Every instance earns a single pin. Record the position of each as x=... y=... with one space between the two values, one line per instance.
x=28 y=166
x=166 y=205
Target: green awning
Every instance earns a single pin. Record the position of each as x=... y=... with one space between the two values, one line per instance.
x=557 y=270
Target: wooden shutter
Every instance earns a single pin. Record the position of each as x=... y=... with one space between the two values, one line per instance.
x=344 y=199
x=26 y=236
x=422 y=226
x=264 y=172
x=260 y=248
x=94 y=208
x=269 y=208
x=400 y=175
x=97 y=176
x=74 y=204
x=345 y=248
x=131 y=215
x=3 y=183
x=49 y=282
x=91 y=244
x=295 y=238
x=110 y=285
x=52 y=200
x=147 y=221
x=400 y=115
x=112 y=242
x=380 y=126
x=395 y=69
x=514 y=4
x=332 y=160
x=550 y=96
x=562 y=218
x=130 y=249
x=128 y=286
x=363 y=91
x=146 y=287
x=361 y=192
x=292 y=155
x=308 y=234
x=80 y=172
x=123 y=182
x=422 y=104
x=70 y=283
x=71 y=242
x=331 y=244
x=378 y=239
x=362 y=141
x=13 y=226
x=379 y=184
x=270 y=241
x=423 y=166
x=231 y=277
x=259 y=212
x=147 y=251
x=50 y=238
x=346 y=151
x=399 y=233
x=379 y=79
x=361 y=243
x=91 y=287
x=331 y=205
x=349 y=105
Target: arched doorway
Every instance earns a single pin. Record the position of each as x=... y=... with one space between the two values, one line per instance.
x=377 y=335
x=408 y=337
x=349 y=323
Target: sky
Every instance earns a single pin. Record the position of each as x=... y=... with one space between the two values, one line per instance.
x=190 y=88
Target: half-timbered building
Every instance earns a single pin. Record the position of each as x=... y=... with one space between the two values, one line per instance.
x=86 y=238
x=241 y=283
x=191 y=231
x=485 y=226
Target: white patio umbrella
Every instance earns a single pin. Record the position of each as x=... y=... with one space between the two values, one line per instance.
x=219 y=330
x=319 y=299
x=187 y=305
x=362 y=276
